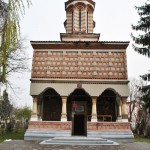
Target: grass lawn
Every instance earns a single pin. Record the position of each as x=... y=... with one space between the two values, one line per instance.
x=140 y=139
x=13 y=135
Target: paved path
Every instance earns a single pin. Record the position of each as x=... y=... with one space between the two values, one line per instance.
x=24 y=145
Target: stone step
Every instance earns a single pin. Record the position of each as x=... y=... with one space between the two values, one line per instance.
x=45 y=134
x=78 y=141
x=79 y=138
x=118 y=136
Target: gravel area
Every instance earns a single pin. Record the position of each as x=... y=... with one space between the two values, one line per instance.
x=25 y=145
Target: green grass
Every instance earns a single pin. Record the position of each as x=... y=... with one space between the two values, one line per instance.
x=13 y=135
x=140 y=139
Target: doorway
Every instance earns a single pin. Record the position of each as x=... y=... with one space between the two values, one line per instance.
x=79 y=124
x=79 y=118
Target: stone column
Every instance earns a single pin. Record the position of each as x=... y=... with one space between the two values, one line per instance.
x=124 y=110
x=42 y=111
x=64 y=113
x=120 y=114
x=119 y=117
x=34 y=115
x=39 y=111
x=94 y=110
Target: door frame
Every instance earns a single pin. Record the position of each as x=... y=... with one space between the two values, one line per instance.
x=79 y=108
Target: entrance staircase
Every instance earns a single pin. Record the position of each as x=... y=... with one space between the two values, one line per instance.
x=39 y=135
x=117 y=136
x=79 y=140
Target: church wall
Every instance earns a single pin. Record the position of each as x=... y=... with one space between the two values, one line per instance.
x=65 y=89
x=81 y=64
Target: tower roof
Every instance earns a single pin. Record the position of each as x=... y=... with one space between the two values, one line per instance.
x=70 y=1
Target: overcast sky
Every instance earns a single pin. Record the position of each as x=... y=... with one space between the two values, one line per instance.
x=44 y=20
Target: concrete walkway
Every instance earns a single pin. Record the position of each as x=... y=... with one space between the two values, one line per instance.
x=24 y=145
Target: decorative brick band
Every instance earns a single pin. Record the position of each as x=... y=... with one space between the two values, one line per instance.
x=100 y=126
x=104 y=126
x=49 y=125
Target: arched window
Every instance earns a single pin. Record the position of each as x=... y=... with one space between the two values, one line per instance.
x=87 y=21
x=72 y=22
x=80 y=19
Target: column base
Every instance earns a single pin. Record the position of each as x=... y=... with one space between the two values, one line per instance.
x=124 y=120
x=39 y=119
x=119 y=119
x=93 y=119
x=34 y=119
x=63 y=119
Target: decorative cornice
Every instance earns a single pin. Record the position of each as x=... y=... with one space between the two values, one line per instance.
x=78 y=45
x=82 y=36
x=72 y=81
x=59 y=42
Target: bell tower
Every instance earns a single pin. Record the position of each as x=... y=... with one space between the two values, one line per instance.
x=79 y=22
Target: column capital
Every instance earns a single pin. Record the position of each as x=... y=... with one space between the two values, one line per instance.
x=124 y=100
x=64 y=99
x=94 y=99
x=34 y=98
x=118 y=99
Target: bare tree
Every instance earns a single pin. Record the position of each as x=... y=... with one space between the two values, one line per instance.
x=134 y=98
x=142 y=122
x=139 y=105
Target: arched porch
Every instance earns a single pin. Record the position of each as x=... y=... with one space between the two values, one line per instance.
x=109 y=106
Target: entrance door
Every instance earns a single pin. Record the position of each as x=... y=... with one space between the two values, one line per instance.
x=79 y=124
x=79 y=118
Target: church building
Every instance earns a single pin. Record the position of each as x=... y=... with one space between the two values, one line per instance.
x=79 y=84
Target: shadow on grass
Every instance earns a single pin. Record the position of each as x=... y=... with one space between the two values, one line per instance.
x=19 y=135
x=142 y=139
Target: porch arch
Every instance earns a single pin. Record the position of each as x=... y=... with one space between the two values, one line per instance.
x=52 y=105
x=79 y=94
x=107 y=105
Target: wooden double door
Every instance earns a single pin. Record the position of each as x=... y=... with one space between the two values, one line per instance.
x=79 y=118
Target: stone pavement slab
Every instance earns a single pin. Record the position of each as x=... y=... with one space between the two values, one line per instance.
x=28 y=145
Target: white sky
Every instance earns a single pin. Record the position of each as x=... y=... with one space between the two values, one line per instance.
x=44 y=20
